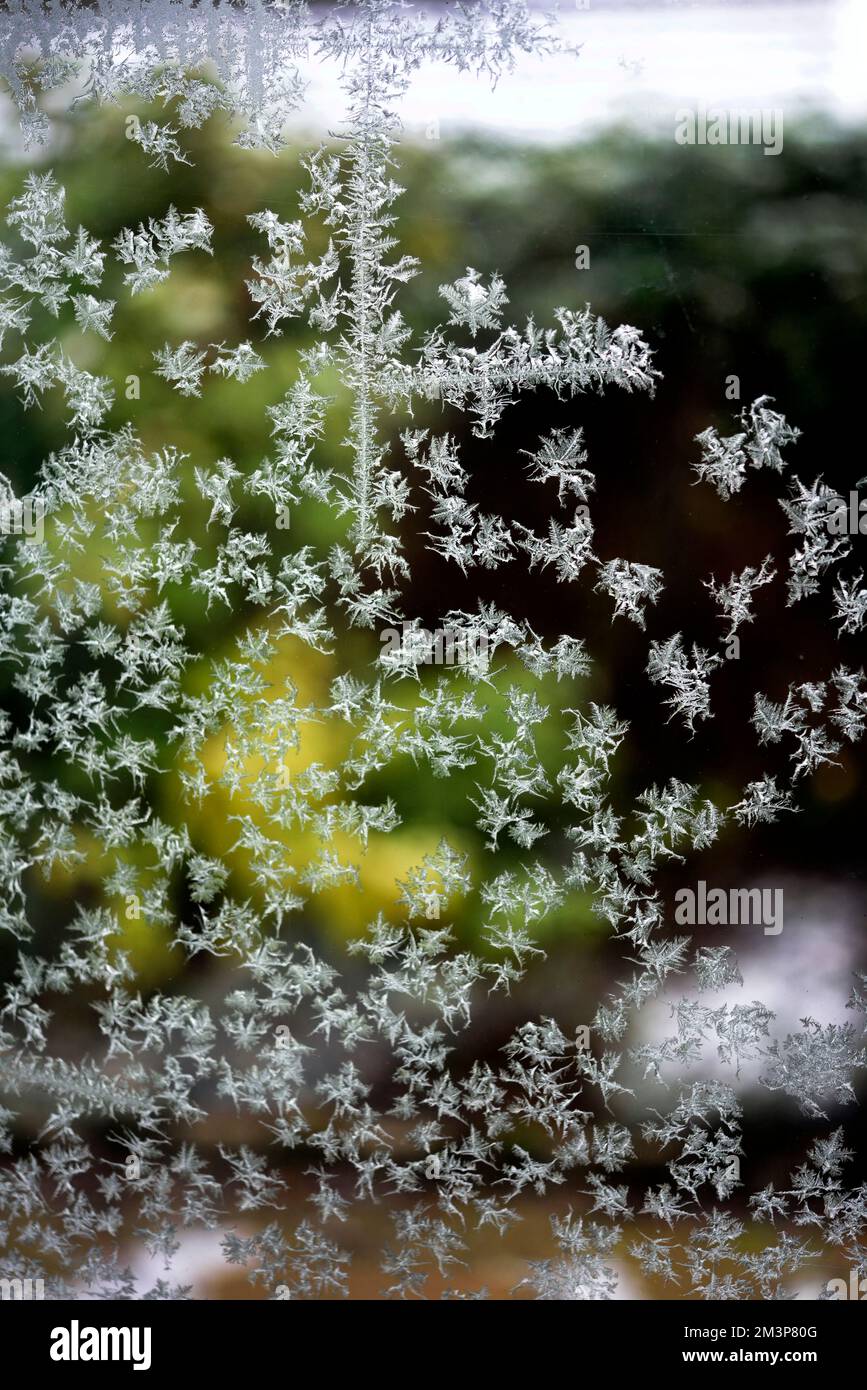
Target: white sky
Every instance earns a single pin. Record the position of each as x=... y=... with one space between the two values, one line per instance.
x=643 y=59
x=640 y=61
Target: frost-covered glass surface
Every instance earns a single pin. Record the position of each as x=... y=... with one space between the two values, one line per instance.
x=210 y=1101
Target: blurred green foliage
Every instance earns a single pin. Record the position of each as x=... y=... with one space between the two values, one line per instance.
x=727 y=262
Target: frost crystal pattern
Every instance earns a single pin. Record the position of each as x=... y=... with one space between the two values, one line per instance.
x=168 y=1110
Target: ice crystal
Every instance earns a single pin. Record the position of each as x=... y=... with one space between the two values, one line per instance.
x=349 y=1065
x=736 y=598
